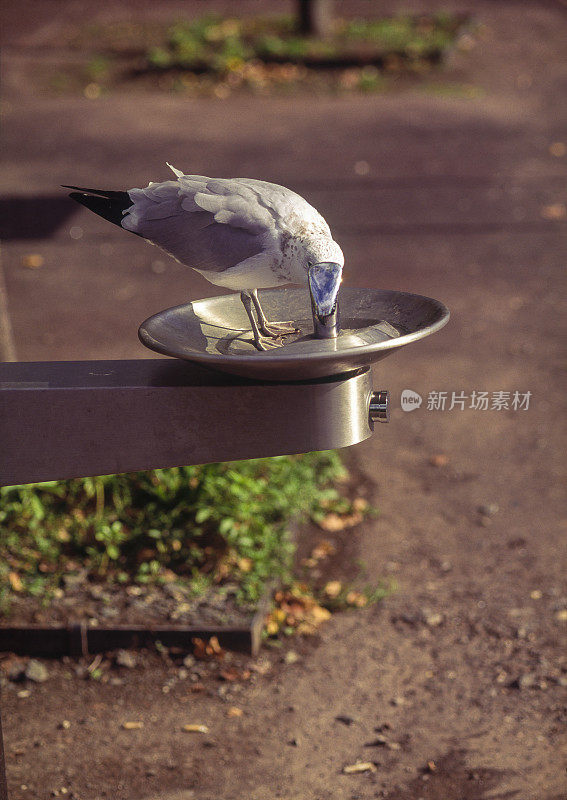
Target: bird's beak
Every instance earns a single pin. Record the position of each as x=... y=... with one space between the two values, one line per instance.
x=324 y=283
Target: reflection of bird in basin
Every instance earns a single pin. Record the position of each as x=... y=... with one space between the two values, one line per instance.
x=238 y=233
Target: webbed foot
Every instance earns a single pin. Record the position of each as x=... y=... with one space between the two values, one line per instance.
x=264 y=343
x=278 y=328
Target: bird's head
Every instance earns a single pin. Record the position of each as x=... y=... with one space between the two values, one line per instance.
x=324 y=271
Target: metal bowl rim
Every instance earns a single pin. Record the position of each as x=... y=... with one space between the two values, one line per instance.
x=268 y=359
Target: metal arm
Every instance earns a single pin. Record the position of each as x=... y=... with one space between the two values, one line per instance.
x=76 y=418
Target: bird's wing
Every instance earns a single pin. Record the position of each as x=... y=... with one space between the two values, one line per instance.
x=290 y=210
x=208 y=224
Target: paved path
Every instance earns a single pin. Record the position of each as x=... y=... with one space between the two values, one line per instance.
x=462 y=200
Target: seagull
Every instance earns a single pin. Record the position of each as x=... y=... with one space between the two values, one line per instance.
x=239 y=233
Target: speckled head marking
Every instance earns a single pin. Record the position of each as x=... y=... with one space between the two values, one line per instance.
x=308 y=244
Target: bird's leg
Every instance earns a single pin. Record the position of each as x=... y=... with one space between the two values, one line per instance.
x=260 y=342
x=270 y=328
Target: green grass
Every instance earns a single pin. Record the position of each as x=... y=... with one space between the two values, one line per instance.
x=416 y=37
x=221 y=45
x=216 y=55
x=194 y=524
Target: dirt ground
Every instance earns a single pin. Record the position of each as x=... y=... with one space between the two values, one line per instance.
x=454 y=688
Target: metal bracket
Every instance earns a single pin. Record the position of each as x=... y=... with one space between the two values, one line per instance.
x=64 y=419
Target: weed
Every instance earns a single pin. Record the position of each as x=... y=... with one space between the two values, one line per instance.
x=218 y=55
x=199 y=524
x=98 y=68
x=245 y=50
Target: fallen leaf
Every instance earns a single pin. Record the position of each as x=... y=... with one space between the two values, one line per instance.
x=229 y=674
x=32 y=261
x=433 y=618
x=320 y=614
x=557 y=149
x=439 y=460
x=360 y=504
x=554 y=211
x=215 y=646
x=306 y=629
x=15 y=582
x=132 y=726
x=332 y=522
x=195 y=728
x=291 y=657
x=360 y=766
x=92 y=91
x=233 y=711
x=356 y=599
x=294 y=608
x=381 y=741
x=207 y=650
x=197 y=687
x=324 y=548
x=333 y=588
x=346 y=720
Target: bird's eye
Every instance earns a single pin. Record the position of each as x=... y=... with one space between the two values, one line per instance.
x=309 y=263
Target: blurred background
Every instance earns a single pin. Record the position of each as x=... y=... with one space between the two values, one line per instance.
x=432 y=139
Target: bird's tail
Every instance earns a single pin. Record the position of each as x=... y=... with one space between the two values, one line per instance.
x=110 y=205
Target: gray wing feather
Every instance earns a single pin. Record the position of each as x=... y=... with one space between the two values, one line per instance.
x=206 y=224
x=202 y=243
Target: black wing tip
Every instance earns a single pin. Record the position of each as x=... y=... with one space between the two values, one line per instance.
x=81 y=197
x=108 y=193
x=109 y=205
